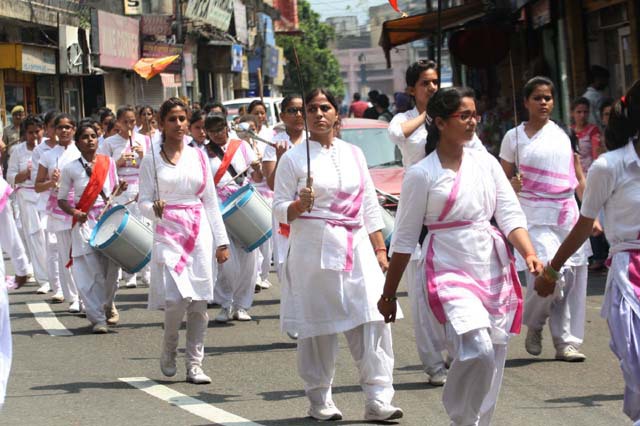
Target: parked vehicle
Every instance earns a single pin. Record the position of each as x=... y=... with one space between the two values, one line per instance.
x=272 y=104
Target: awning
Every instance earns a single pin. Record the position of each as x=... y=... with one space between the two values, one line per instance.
x=405 y=30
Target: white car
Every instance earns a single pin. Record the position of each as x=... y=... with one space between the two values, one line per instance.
x=272 y=104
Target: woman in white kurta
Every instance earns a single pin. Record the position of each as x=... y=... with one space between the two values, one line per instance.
x=471 y=282
x=187 y=227
x=19 y=175
x=237 y=277
x=127 y=149
x=95 y=274
x=58 y=222
x=332 y=274
x=613 y=184
x=541 y=151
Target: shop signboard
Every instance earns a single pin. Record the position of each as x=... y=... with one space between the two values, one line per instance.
x=40 y=60
x=271 y=62
x=152 y=49
x=236 y=58
x=265 y=26
x=116 y=38
x=71 y=55
x=133 y=7
x=155 y=25
x=216 y=13
x=240 y=21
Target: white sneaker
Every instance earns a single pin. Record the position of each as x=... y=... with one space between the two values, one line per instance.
x=74 y=307
x=264 y=284
x=292 y=335
x=44 y=289
x=168 y=363
x=100 y=328
x=328 y=412
x=438 y=377
x=146 y=280
x=225 y=315
x=196 y=376
x=570 y=354
x=241 y=315
x=131 y=282
x=58 y=297
x=533 y=342
x=377 y=411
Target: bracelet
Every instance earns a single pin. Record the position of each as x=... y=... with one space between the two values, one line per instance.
x=379 y=249
x=528 y=255
x=388 y=299
x=552 y=272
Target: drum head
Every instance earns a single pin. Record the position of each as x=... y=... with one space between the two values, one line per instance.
x=108 y=227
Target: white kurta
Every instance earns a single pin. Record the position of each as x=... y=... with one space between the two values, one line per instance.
x=5 y=336
x=318 y=296
x=182 y=185
x=114 y=146
x=57 y=158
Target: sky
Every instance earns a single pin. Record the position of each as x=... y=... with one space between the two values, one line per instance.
x=360 y=8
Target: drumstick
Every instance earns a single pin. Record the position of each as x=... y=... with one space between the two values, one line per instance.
x=240 y=129
x=236 y=176
x=112 y=196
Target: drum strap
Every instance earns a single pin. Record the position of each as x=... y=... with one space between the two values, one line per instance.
x=225 y=165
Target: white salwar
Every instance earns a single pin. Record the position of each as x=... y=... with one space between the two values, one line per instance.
x=10 y=236
x=546 y=161
x=471 y=283
x=96 y=275
x=181 y=281
x=32 y=224
x=58 y=222
x=265 y=251
x=5 y=336
x=613 y=184
x=237 y=276
x=320 y=296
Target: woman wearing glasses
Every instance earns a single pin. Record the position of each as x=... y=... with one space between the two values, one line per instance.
x=333 y=273
x=550 y=177
x=472 y=286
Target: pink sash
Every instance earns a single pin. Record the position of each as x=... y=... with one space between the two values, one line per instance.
x=5 y=192
x=180 y=224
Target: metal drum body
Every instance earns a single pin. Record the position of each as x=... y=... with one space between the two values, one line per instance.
x=247 y=217
x=123 y=238
x=389 y=225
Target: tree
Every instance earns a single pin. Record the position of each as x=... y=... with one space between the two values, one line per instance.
x=318 y=66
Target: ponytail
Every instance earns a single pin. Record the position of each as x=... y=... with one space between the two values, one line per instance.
x=623 y=121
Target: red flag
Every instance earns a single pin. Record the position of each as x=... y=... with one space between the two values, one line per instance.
x=394 y=4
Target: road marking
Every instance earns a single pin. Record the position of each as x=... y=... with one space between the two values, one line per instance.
x=187 y=403
x=47 y=319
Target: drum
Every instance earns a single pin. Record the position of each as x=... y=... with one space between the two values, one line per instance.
x=248 y=218
x=389 y=225
x=123 y=238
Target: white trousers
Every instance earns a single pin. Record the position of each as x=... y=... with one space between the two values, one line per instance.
x=197 y=321
x=5 y=336
x=34 y=238
x=265 y=252
x=236 y=278
x=67 y=282
x=565 y=308
x=371 y=348
x=53 y=266
x=96 y=277
x=11 y=242
x=427 y=331
x=475 y=376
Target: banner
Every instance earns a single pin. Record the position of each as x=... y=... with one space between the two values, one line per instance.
x=216 y=13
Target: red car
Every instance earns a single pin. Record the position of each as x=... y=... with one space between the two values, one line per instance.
x=383 y=157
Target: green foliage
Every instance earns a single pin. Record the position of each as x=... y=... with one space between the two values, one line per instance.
x=318 y=66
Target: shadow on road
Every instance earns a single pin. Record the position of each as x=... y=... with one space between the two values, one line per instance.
x=587 y=400
x=523 y=362
x=223 y=350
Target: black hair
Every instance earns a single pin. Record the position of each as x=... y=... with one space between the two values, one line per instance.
x=123 y=110
x=84 y=125
x=63 y=116
x=624 y=120
x=597 y=72
x=50 y=116
x=443 y=104
x=31 y=120
x=413 y=72
x=213 y=120
x=211 y=105
x=536 y=81
x=580 y=101
x=145 y=107
x=373 y=95
x=356 y=96
x=105 y=114
x=383 y=101
x=327 y=94
x=196 y=116
x=254 y=104
x=605 y=103
x=287 y=101
x=170 y=104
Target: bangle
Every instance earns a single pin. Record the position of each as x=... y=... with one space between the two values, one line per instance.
x=379 y=249
x=388 y=298
x=555 y=274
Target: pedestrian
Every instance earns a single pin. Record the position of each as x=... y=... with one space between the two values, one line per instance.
x=334 y=266
x=88 y=182
x=605 y=112
x=176 y=192
x=146 y=128
x=372 y=112
x=588 y=134
x=228 y=158
x=472 y=285
x=58 y=222
x=613 y=184
x=382 y=108
x=197 y=131
x=11 y=135
x=401 y=102
x=550 y=179
x=598 y=81
x=106 y=118
x=358 y=106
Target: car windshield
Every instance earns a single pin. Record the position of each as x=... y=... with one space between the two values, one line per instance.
x=378 y=149
x=232 y=110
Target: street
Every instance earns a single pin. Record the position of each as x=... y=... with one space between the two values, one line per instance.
x=86 y=379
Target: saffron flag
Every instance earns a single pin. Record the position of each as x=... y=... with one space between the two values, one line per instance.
x=394 y=4
x=149 y=67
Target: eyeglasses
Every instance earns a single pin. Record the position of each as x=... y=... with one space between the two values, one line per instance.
x=545 y=98
x=324 y=108
x=64 y=127
x=294 y=111
x=467 y=115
